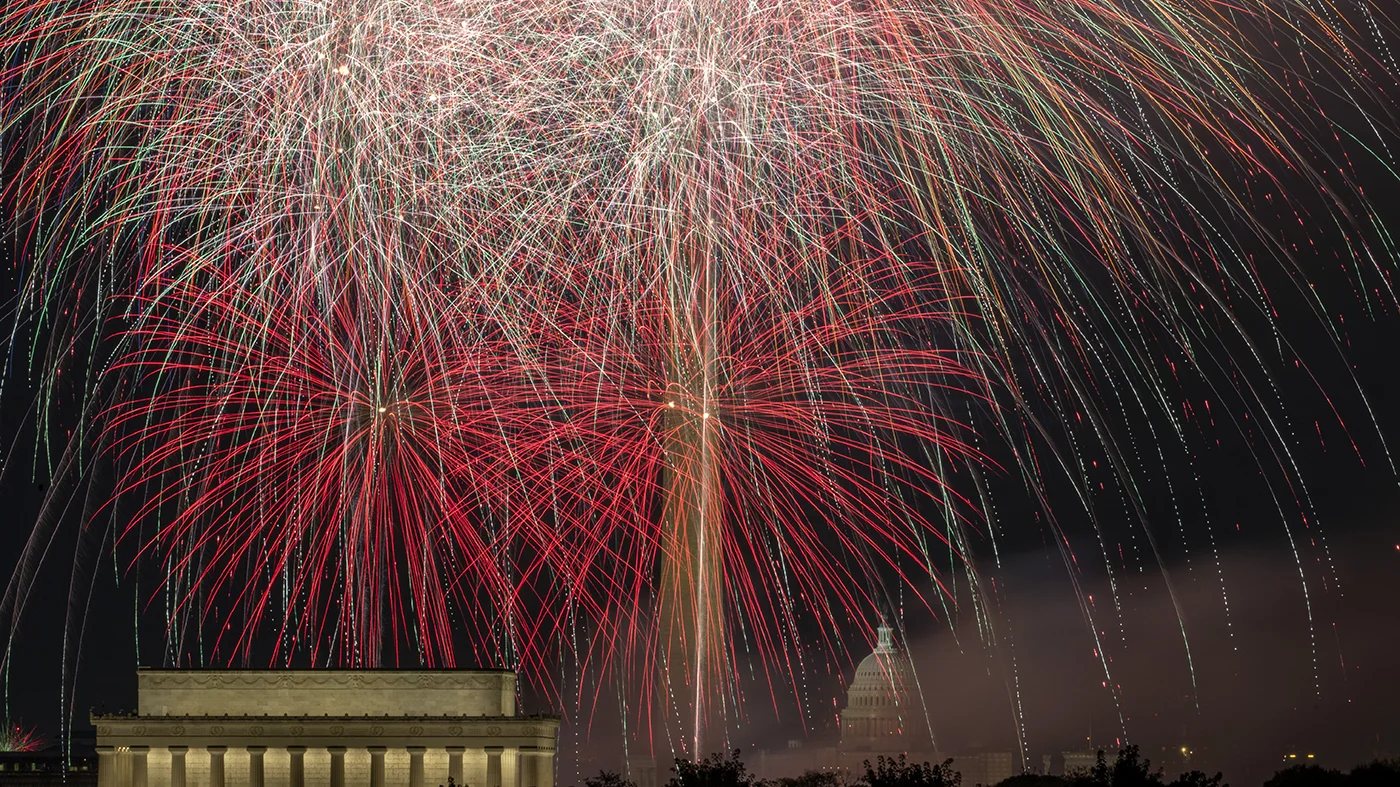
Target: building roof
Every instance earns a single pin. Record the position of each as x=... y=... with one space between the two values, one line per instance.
x=320 y=671
x=886 y=670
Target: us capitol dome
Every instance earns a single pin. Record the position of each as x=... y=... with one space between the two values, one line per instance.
x=884 y=716
x=884 y=707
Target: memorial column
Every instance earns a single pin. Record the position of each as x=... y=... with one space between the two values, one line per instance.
x=337 y=765
x=544 y=767
x=376 y=766
x=454 y=764
x=525 y=767
x=255 y=765
x=177 y=765
x=493 y=766
x=216 y=765
x=105 y=760
x=297 y=774
x=138 y=765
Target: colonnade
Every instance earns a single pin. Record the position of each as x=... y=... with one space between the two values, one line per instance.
x=535 y=768
x=878 y=727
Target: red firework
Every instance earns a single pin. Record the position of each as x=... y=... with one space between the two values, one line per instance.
x=360 y=460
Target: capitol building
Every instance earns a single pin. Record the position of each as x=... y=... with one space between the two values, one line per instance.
x=885 y=716
x=292 y=728
x=884 y=711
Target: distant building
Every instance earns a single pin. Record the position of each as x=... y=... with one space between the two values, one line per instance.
x=644 y=772
x=884 y=716
x=49 y=767
x=292 y=728
x=1069 y=762
x=796 y=759
x=884 y=710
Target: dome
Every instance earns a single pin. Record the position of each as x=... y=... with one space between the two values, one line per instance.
x=886 y=667
x=886 y=670
x=884 y=706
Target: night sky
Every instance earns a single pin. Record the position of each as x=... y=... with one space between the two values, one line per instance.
x=1290 y=610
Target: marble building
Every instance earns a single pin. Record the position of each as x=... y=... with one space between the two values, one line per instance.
x=325 y=728
x=884 y=711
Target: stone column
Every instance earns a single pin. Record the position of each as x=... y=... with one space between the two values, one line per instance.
x=216 y=765
x=177 y=765
x=525 y=767
x=297 y=774
x=376 y=766
x=337 y=765
x=255 y=765
x=493 y=766
x=105 y=776
x=415 y=765
x=544 y=767
x=454 y=764
x=138 y=765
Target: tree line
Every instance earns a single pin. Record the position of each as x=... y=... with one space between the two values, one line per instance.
x=1129 y=769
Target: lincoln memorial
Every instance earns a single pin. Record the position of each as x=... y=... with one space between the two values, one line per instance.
x=325 y=728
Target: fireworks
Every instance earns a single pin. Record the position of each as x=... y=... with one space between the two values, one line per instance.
x=409 y=322
x=15 y=738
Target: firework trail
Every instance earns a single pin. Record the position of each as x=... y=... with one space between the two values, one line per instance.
x=401 y=320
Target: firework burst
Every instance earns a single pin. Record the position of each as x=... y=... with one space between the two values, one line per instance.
x=15 y=738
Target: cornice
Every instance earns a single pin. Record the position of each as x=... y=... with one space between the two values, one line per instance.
x=347 y=730
x=339 y=679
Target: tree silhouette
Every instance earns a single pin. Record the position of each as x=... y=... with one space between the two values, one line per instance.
x=713 y=771
x=607 y=779
x=1307 y=776
x=810 y=779
x=1034 y=780
x=1380 y=773
x=1131 y=769
x=891 y=772
x=1198 y=779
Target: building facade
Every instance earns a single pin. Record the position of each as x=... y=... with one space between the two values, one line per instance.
x=885 y=711
x=325 y=728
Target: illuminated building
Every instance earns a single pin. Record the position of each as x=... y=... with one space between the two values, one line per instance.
x=884 y=716
x=292 y=728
